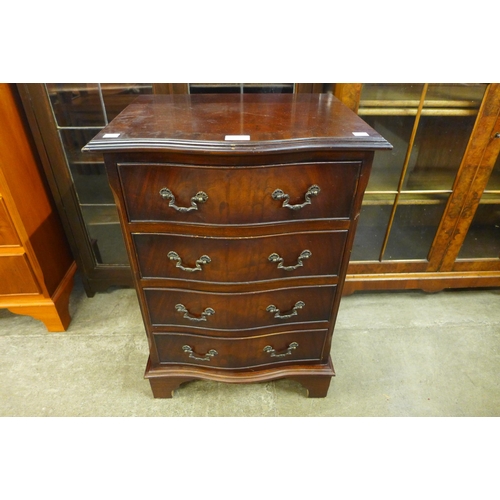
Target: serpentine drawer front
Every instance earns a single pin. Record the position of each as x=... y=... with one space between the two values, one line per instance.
x=213 y=352
x=239 y=214
x=233 y=311
x=238 y=195
x=238 y=260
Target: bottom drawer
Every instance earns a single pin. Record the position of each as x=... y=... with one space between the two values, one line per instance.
x=216 y=352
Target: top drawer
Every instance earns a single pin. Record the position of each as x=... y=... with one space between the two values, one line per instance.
x=238 y=195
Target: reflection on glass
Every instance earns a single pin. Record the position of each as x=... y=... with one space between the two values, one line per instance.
x=448 y=117
x=494 y=180
x=387 y=165
x=91 y=184
x=108 y=244
x=390 y=98
x=372 y=226
x=415 y=224
x=459 y=98
x=117 y=96
x=103 y=227
x=81 y=110
x=76 y=104
x=241 y=88
x=483 y=237
x=73 y=142
x=429 y=126
x=436 y=155
x=390 y=109
x=89 y=176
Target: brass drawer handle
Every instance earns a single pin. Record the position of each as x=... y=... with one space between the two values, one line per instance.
x=207 y=357
x=277 y=313
x=278 y=194
x=199 y=197
x=204 y=259
x=274 y=257
x=273 y=353
x=182 y=309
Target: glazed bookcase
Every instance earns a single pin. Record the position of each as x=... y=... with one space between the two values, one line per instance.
x=431 y=214
x=430 y=217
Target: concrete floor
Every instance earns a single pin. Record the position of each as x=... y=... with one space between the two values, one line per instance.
x=395 y=354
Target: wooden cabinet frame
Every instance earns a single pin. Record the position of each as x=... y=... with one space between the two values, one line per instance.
x=95 y=276
x=442 y=269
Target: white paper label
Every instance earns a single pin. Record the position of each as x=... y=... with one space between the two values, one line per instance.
x=360 y=134
x=237 y=137
x=110 y=136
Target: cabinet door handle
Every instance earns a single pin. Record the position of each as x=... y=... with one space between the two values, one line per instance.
x=204 y=259
x=182 y=309
x=272 y=352
x=277 y=313
x=274 y=257
x=207 y=357
x=278 y=194
x=199 y=197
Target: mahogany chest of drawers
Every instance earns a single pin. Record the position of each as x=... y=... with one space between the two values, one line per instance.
x=238 y=213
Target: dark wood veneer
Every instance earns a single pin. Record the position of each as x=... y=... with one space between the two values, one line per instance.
x=210 y=319
x=240 y=260
x=238 y=195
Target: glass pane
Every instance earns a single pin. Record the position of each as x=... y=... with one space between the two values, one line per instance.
x=214 y=88
x=390 y=109
x=117 y=96
x=73 y=142
x=82 y=110
x=463 y=98
x=239 y=88
x=448 y=117
x=76 y=104
x=494 y=182
x=388 y=165
x=91 y=183
x=483 y=237
x=89 y=177
x=390 y=98
x=372 y=226
x=447 y=120
x=437 y=152
x=414 y=227
x=268 y=88
x=105 y=234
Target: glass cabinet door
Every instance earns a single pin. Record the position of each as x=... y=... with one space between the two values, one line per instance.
x=63 y=118
x=429 y=126
x=80 y=111
x=483 y=238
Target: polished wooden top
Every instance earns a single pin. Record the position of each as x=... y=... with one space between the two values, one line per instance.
x=232 y=123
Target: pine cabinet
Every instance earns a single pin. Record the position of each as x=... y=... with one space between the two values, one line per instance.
x=36 y=265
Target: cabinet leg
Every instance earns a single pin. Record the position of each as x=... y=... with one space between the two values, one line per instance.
x=165 y=387
x=317 y=386
x=54 y=320
x=53 y=312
